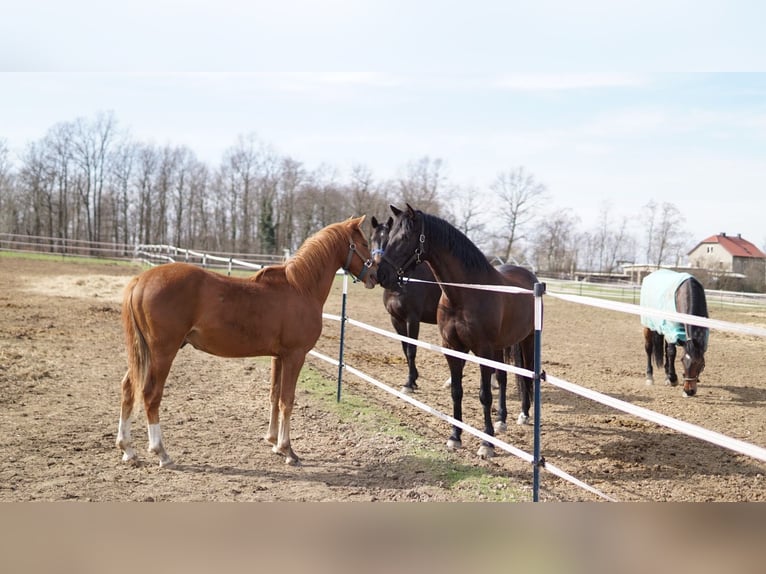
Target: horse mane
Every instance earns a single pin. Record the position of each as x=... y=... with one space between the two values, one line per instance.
x=317 y=254
x=456 y=241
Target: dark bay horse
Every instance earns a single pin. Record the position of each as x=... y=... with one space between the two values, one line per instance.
x=276 y=312
x=681 y=293
x=487 y=323
x=408 y=305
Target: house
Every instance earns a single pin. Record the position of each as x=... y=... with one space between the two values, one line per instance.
x=730 y=262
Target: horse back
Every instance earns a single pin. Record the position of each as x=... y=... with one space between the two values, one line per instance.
x=180 y=303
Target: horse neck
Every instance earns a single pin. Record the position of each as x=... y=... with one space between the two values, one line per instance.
x=692 y=302
x=313 y=268
x=448 y=269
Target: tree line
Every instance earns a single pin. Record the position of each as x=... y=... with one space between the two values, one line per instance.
x=89 y=179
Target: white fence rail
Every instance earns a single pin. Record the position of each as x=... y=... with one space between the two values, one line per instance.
x=597 y=295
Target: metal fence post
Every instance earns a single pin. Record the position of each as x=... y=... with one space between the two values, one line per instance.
x=537 y=460
x=342 y=333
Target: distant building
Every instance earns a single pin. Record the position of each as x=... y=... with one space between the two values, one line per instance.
x=731 y=262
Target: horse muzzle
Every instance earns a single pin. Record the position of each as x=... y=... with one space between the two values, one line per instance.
x=387 y=276
x=690 y=387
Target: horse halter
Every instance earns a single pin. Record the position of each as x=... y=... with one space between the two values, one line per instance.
x=413 y=260
x=365 y=268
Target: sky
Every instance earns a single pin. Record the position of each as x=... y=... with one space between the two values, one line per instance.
x=675 y=111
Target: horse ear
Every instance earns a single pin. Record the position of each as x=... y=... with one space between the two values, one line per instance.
x=390 y=222
x=374 y=221
x=410 y=211
x=395 y=210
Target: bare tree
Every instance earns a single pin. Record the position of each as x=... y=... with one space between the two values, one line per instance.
x=521 y=198
x=291 y=179
x=91 y=145
x=665 y=235
x=421 y=184
x=365 y=194
x=8 y=200
x=146 y=173
x=611 y=241
x=464 y=210
x=123 y=164
x=555 y=247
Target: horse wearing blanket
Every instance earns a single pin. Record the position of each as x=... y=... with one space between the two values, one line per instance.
x=668 y=290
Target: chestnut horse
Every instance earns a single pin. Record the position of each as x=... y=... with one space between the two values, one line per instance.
x=408 y=305
x=276 y=312
x=669 y=290
x=487 y=323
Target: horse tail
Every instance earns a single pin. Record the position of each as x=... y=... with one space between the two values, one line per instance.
x=135 y=342
x=658 y=348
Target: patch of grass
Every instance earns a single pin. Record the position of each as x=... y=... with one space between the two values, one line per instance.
x=59 y=258
x=469 y=482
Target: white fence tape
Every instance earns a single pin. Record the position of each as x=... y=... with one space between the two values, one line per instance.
x=551 y=468
x=689 y=429
x=640 y=412
x=622 y=307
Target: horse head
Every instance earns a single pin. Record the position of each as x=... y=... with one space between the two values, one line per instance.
x=693 y=362
x=379 y=239
x=359 y=261
x=405 y=246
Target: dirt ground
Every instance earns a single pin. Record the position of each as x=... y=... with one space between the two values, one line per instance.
x=62 y=358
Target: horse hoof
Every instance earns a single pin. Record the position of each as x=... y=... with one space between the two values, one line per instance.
x=649 y=382
x=500 y=426
x=292 y=461
x=486 y=452
x=406 y=390
x=523 y=419
x=670 y=383
x=453 y=444
x=129 y=456
x=166 y=462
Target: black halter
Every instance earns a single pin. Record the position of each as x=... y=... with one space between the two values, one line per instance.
x=414 y=259
x=365 y=268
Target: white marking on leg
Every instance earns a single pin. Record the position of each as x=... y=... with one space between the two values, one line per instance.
x=155 y=444
x=124 y=439
x=284 y=434
x=155 y=438
x=272 y=433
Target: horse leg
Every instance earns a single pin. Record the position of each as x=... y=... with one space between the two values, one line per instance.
x=501 y=377
x=413 y=330
x=456 y=366
x=670 y=365
x=525 y=352
x=502 y=409
x=276 y=385
x=291 y=367
x=487 y=449
x=124 y=441
x=401 y=328
x=152 y=395
x=648 y=347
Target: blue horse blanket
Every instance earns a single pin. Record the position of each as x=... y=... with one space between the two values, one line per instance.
x=658 y=290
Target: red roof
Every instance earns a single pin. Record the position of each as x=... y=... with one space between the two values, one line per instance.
x=735 y=245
